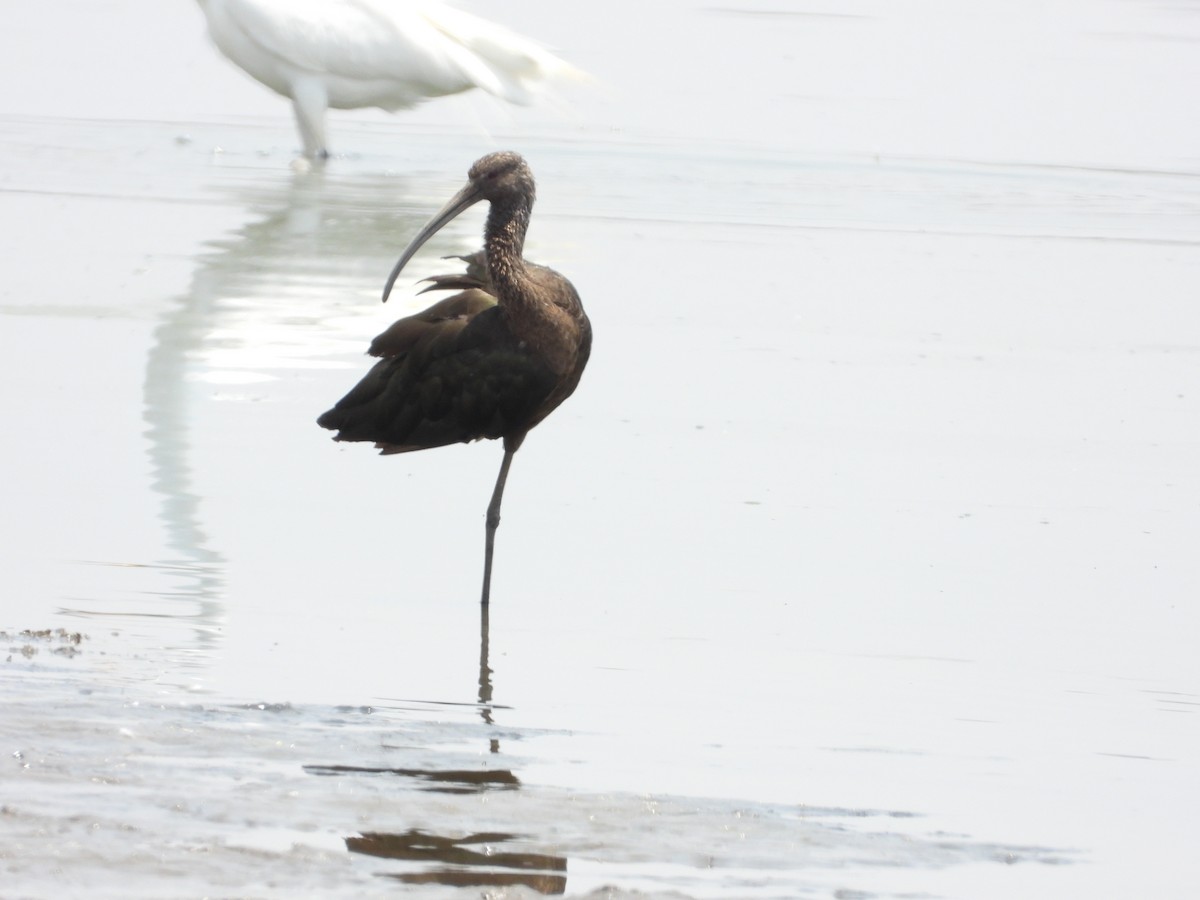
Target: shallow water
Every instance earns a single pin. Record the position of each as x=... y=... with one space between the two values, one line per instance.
x=861 y=564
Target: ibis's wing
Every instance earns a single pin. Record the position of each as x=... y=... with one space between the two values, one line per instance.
x=439 y=322
x=444 y=382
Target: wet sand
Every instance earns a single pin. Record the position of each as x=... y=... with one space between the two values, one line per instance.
x=861 y=564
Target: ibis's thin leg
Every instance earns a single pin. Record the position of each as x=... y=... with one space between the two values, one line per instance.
x=493 y=520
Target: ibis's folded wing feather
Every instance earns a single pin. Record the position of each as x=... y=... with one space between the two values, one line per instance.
x=444 y=380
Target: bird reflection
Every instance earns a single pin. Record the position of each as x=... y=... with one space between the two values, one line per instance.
x=457 y=864
x=450 y=781
x=485 y=676
x=198 y=567
x=442 y=781
x=304 y=233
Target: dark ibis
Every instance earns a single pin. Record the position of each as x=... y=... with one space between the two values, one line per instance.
x=491 y=361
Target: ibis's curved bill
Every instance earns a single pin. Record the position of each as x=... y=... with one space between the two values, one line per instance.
x=464 y=199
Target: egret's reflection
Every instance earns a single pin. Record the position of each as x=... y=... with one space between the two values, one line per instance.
x=197 y=567
x=311 y=240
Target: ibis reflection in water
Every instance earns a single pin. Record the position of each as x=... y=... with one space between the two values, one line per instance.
x=392 y=54
x=491 y=361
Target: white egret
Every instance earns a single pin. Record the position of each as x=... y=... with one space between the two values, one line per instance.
x=387 y=53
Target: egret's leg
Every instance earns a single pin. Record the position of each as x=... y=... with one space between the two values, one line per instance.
x=493 y=520
x=310 y=100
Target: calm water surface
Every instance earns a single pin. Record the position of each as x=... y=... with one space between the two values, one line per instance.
x=861 y=564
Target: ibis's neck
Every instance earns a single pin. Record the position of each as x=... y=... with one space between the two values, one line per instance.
x=504 y=240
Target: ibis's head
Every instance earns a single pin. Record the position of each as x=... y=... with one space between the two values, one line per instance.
x=500 y=178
